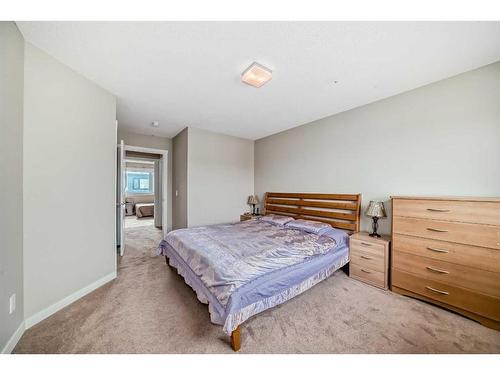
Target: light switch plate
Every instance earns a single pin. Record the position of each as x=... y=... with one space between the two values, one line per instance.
x=12 y=303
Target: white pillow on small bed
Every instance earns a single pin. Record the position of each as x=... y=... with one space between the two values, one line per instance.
x=309 y=226
x=277 y=219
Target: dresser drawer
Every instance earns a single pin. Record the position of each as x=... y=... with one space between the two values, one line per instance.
x=367 y=275
x=469 y=234
x=368 y=260
x=466 y=255
x=474 y=279
x=461 y=211
x=451 y=295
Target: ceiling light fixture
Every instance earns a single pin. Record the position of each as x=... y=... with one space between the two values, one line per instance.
x=256 y=75
x=155 y=124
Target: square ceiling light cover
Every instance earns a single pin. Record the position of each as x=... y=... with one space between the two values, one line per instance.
x=256 y=75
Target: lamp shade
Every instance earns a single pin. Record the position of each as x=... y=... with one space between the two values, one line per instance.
x=252 y=199
x=376 y=209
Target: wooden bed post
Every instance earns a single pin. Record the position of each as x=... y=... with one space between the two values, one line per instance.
x=358 y=213
x=236 y=339
x=263 y=212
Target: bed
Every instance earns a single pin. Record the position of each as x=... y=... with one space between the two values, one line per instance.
x=144 y=209
x=245 y=268
x=142 y=205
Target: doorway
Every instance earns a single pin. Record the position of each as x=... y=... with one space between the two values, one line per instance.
x=141 y=193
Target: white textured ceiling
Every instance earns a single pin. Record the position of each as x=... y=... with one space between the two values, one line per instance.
x=188 y=73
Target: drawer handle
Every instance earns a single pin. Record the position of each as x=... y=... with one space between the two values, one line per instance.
x=437 y=210
x=366 y=244
x=365 y=257
x=437 y=290
x=365 y=271
x=436 y=270
x=437 y=230
x=437 y=250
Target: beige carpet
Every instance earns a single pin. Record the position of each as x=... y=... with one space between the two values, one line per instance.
x=135 y=222
x=149 y=309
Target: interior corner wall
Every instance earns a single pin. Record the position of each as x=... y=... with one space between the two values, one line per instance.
x=440 y=139
x=161 y=143
x=11 y=180
x=220 y=176
x=69 y=166
x=179 y=180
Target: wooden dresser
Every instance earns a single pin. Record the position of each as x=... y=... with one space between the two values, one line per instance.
x=447 y=251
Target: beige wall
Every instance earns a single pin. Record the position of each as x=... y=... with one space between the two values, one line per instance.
x=220 y=177
x=140 y=166
x=69 y=181
x=142 y=140
x=11 y=179
x=179 y=205
x=441 y=139
x=150 y=141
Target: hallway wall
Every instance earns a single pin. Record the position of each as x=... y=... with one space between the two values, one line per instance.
x=69 y=184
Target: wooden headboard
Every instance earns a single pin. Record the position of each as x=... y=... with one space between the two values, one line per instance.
x=339 y=210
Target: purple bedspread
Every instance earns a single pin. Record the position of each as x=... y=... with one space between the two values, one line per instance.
x=223 y=260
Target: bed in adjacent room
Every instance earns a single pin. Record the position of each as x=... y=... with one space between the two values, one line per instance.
x=144 y=209
x=245 y=268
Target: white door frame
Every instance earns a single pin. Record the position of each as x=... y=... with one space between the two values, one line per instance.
x=122 y=198
x=164 y=174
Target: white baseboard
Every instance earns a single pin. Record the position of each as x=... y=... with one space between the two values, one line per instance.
x=45 y=313
x=14 y=339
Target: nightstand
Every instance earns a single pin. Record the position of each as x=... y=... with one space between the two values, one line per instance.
x=370 y=259
x=129 y=208
x=247 y=216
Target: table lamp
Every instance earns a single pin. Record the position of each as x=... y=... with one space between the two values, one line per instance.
x=375 y=210
x=252 y=201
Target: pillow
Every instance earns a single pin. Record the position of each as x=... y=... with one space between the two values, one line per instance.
x=341 y=237
x=309 y=226
x=277 y=219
